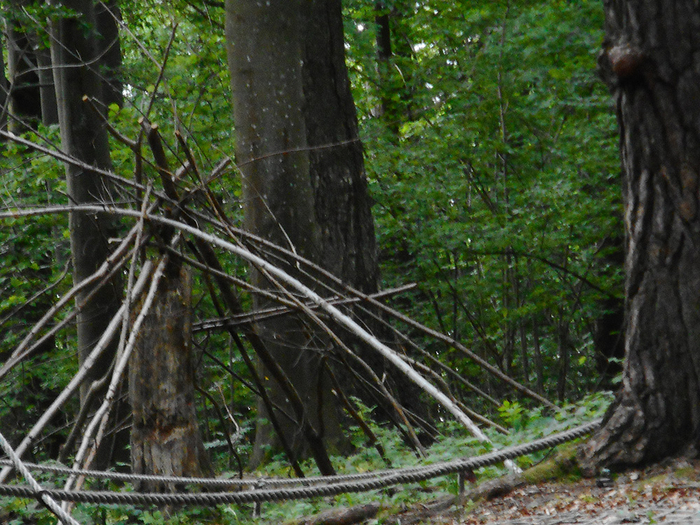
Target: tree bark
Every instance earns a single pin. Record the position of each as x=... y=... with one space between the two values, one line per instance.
x=342 y=204
x=47 y=89
x=304 y=184
x=165 y=438
x=106 y=14
x=651 y=61
x=83 y=136
x=265 y=57
x=4 y=91
x=33 y=97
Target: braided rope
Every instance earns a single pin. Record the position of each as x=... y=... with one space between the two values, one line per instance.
x=342 y=486
x=223 y=482
x=36 y=491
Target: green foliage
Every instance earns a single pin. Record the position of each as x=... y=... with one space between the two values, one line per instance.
x=35 y=256
x=193 y=96
x=497 y=189
x=491 y=153
x=512 y=413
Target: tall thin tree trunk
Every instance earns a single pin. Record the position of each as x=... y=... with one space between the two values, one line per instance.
x=24 y=101
x=387 y=106
x=609 y=327
x=539 y=365
x=564 y=351
x=47 y=88
x=4 y=90
x=83 y=136
x=107 y=14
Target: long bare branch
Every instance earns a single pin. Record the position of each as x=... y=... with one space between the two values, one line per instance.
x=78 y=379
x=239 y=250
x=105 y=269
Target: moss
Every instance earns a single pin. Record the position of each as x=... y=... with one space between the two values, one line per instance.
x=562 y=466
x=686 y=473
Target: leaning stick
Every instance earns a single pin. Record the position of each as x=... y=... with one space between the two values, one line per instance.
x=333 y=312
x=78 y=379
x=330 y=310
x=105 y=268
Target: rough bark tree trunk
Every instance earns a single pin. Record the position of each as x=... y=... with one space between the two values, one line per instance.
x=342 y=205
x=652 y=63
x=342 y=202
x=165 y=438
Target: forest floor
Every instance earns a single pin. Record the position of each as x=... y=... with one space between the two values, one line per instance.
x=665 y=493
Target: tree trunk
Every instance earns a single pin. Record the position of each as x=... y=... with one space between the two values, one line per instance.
x=47 y=89
x=83 y=136
x=4 y=91
x=25 y=103
x=106 y=14
x=33 y=97
x=265 y=57
x=651 y=61
x=342 y=204
x=342 y=201
x=387 y=109
x=292 y=94
x=394 y=64
x=609 y=327
x=165 y=437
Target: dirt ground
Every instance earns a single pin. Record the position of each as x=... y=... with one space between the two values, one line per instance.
x=665 y=493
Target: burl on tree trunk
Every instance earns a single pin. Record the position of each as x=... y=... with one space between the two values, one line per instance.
x=651 y=60
x=165 y=438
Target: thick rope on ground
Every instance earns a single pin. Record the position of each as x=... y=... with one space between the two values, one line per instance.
x=378 y=481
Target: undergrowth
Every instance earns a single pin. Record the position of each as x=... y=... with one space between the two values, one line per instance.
x=524 y=425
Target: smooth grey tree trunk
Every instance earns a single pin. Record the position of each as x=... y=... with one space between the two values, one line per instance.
x=651 y=59
x=84 y=137
x=304 y=185
x=265 y=57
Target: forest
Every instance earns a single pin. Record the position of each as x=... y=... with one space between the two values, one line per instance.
x=270 y=241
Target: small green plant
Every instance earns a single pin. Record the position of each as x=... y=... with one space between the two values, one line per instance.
x=512 y=413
